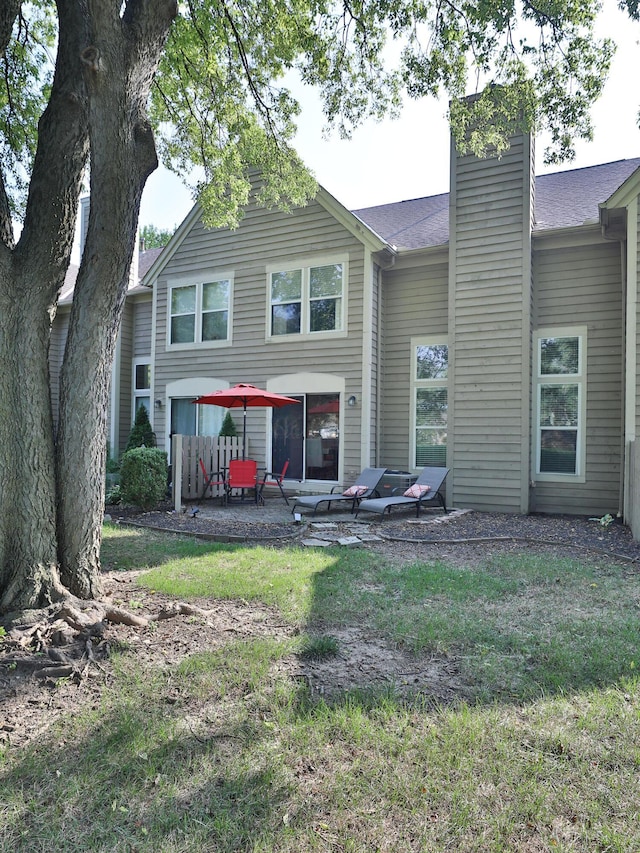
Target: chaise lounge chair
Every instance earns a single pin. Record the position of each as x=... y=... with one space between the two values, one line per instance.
x=365 y=486
x=424 y=492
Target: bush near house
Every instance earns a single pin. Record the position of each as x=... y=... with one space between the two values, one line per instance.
x=228 y=427
x=143 y=476
x=141 y=434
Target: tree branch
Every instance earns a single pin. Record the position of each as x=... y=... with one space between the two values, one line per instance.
x=9 y=11
x=61 y=156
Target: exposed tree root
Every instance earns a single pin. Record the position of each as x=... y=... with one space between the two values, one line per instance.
x=65 y=639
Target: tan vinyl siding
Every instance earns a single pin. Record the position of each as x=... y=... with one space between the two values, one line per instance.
x=376 y=278
x=415 y=305
x=490 y=327
x=265 y=238
x=134 y=343
x=581 y=286
x=633 y=275
x=631 y=510
x=125 y=362
x=142 y=327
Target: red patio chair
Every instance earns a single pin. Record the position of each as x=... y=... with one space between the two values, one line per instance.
x=213 y=478
x=243 y=475
x=271 y=479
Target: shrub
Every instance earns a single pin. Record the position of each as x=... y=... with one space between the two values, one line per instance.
x=141 y=434
x=228 y=427
x=113 y=495
x=143 y=476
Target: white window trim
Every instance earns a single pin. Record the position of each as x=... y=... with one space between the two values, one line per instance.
x=198 y=283
x=430 y=341
x=186 y=388
x=141 y=392
x=579 y=379
x=305 y=264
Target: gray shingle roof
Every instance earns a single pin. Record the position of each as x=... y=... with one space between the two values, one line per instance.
x=145 y=261
x=562 y=200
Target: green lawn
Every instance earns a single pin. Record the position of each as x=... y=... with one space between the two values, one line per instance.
x=224 y=752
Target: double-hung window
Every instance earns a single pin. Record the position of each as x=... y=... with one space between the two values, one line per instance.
x=200 y=313
x=561 y=403
x=429 y=368
x=307 y=300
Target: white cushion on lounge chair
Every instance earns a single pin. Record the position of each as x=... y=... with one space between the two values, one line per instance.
x=416 y=491
x=355 y=491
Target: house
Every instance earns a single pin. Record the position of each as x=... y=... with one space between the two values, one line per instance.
x=132 y=369
x=493 y=328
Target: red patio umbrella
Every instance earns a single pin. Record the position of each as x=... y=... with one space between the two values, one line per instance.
x=243 y=396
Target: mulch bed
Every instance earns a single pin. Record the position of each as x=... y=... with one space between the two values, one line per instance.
x=206 y=527
x=564 y=531
x=577 y=533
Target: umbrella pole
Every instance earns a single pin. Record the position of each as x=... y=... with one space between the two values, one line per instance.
x=244 y=431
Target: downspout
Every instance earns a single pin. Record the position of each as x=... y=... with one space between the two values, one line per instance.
x=631 y=331
x=367 y=355
x=114 y=424
x=622 y=497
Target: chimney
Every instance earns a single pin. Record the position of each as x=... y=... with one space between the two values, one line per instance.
x=490 y=294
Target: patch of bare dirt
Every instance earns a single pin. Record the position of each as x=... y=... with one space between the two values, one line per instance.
x=36 y=689
x=370 y=664
x=47 y=671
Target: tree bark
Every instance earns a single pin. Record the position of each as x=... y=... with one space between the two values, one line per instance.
x=28 y=558
x=31 y=274
x=52 y=484
x=119 y=65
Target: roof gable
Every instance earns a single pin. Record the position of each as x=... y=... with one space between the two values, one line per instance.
x=362 y=231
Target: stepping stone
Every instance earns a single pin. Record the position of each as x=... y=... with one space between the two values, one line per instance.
x=350 y=541
x=323 y=525
x=316 y=543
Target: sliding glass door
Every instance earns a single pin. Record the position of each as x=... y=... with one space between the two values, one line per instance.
x=308 y=436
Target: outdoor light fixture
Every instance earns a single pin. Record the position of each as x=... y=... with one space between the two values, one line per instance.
x=158 y=404
x=352 y=400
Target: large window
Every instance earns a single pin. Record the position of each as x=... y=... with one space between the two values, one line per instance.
x=561 y=389
x=429 y=366
x=200 y=313
x=307 y=300
x=188 y=419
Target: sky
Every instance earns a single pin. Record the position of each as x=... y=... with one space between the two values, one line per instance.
x=408 y=157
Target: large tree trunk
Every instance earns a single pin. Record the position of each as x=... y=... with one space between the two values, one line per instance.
x=31 y=274
x=119 y=65
x=28 y=557
x=52 y=485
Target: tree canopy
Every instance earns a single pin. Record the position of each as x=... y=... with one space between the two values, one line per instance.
x=152 y=237
x=220 y=99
